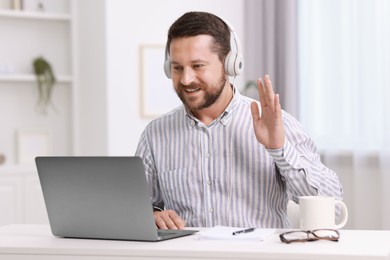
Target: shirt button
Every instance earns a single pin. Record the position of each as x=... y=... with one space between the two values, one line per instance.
x=192 y=123
x=209 y=182
x=207 y=155
x=211 y=210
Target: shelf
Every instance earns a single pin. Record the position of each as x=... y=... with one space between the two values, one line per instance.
x=31 y=78
x=34 y=15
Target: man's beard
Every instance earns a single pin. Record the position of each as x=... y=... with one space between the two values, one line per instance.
x=209 y=97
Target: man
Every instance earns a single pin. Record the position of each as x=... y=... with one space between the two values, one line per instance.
x=219 y=159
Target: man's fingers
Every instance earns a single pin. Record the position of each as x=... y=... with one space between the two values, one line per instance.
x=260 y=88
x=168 y=219
x=269 y=92
x=255 y=111
x=177 y=221
x=278 y=107
x=160 y=223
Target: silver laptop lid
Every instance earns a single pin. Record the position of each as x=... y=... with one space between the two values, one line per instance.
x=97 y=197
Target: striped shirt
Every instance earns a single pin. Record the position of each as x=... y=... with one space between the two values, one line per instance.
x=221 y=175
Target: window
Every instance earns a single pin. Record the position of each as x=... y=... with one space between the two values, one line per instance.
x=344 y=73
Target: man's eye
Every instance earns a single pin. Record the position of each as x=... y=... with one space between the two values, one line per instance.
x=198 y=66
x=177 y=68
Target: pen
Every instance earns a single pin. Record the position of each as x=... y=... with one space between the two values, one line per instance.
x=243 y=231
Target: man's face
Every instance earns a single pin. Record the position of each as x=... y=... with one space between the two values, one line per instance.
x=197 y=74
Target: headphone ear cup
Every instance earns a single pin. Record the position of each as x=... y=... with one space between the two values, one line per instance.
x=233 y=64
x=167 y=68
x=238 y=65
x=229 y=64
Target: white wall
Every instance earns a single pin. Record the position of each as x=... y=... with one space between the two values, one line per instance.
x=111 y=122
x=91 y=70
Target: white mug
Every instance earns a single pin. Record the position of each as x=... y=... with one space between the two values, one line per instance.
x=318 y=212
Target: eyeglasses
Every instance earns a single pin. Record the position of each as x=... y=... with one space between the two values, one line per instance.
x=311 y=235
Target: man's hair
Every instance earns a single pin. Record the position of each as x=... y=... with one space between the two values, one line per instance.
x=197 y=23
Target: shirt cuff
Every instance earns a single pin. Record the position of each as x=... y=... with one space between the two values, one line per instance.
x=157 y=208
x=286 y=158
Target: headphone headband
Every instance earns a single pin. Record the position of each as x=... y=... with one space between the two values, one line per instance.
x=234 y=61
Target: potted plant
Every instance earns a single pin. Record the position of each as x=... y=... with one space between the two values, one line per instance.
x=45 y=79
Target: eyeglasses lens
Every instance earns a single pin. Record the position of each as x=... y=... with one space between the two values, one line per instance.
x=302 y=236
x=297 y=235
x=327 y=234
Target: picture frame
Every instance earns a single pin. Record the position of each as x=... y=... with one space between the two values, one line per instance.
x=157 y=93
x=31 y=143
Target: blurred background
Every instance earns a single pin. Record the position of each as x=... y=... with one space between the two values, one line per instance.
x=328 y=60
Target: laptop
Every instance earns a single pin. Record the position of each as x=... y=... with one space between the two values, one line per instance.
x=99 y=198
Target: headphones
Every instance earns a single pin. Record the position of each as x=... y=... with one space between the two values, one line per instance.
x=234 y=61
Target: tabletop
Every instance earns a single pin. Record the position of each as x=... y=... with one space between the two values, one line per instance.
x=37 y=242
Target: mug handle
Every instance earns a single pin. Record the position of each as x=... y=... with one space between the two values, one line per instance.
x=344 y=214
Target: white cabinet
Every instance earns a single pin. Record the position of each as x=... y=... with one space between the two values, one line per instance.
x=33 y=204
x=21 y=198
x=27 y=34
x=10 y=199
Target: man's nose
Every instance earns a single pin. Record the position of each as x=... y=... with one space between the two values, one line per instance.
x=187 y=77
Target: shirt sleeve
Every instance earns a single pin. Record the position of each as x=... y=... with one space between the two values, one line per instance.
x=300 y=165
x=144 y=151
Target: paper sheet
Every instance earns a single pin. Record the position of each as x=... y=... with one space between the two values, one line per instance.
x=226 y=233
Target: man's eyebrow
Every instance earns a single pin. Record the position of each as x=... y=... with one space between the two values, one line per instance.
x=193 y=61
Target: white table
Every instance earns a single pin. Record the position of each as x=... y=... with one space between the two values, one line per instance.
x=36 y=242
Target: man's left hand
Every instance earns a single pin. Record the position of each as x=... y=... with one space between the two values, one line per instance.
x=268 y=124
